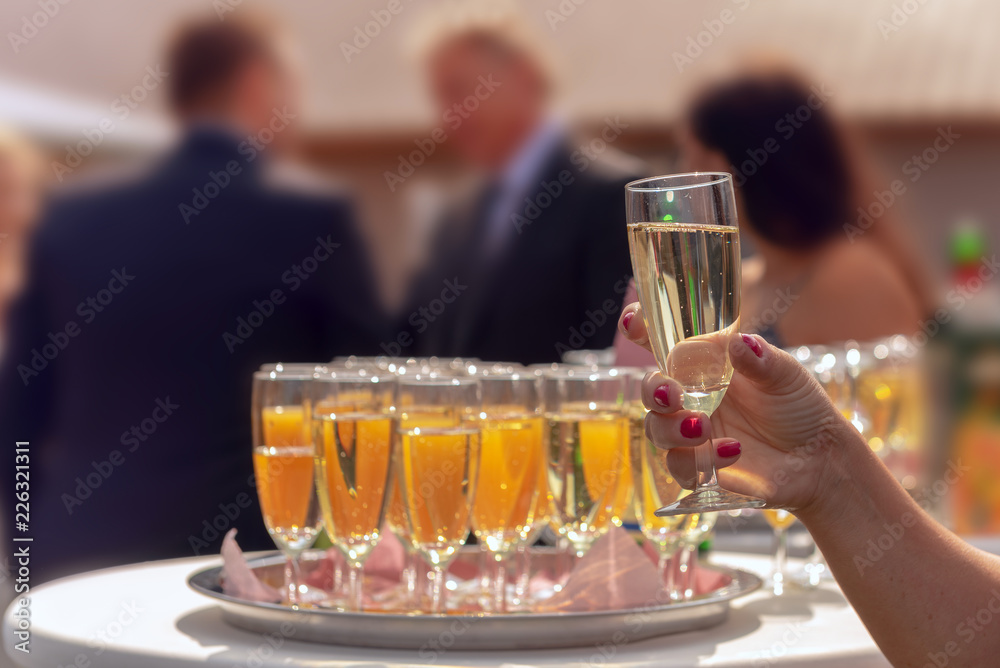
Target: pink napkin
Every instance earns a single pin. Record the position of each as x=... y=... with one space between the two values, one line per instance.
x=382 y=569
x=238 y=580
x=617 y=574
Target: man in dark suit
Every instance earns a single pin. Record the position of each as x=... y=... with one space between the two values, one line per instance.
x=150 y=305
x=537 y=264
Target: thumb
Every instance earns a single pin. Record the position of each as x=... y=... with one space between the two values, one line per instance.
x=769 y=368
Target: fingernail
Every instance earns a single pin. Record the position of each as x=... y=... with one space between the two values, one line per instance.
x=661 y=395
x=626 y=320
x=729 y=449
x=753 y=344
x=691 y=427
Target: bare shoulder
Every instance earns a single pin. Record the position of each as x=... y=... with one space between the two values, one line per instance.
x=848 y=266
x=855 y=293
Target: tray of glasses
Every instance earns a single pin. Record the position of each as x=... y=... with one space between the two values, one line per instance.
x=464 y=628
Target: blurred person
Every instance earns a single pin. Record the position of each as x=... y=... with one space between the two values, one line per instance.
x=917 y=587
x=542 y=239
x=817 y=278
x=151 y=303
x=21 y=180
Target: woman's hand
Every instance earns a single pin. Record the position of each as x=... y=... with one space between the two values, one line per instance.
x=775 y=433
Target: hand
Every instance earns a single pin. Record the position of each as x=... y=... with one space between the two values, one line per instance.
x=774 y=433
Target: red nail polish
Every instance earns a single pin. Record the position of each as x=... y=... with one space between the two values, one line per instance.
x=729 y=449
x=626 y=320
x=661 y=395
x=691 y=427
x=753 y=344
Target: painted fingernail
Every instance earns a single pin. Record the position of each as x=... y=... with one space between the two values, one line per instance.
x=661 y=395
x=626 y=320
x=691 y=427
x=753 y=344
x=729 y=449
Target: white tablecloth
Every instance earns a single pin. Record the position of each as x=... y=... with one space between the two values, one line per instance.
x=144 y=616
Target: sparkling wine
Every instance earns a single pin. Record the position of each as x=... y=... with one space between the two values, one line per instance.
x=352 y=476
x=285 y=425
x=284 y=477
x=654 y=486
x=586 y=465
x=438 y=469
x=508 y=487
x=687 y=276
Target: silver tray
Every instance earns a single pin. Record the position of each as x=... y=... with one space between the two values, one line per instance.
x=475 y=631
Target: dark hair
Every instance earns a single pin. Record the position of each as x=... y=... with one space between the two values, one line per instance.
x=786 y=155
x=205 y=57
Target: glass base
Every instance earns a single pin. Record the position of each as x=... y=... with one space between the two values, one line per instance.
x=709 y=500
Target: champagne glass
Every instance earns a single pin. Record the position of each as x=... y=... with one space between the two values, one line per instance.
x=779 y=520
x=353 y=419
x=437 y=464
x=511 y=457
x=587 y=437
x=653 y=487
x=685 y=249
x=283 y=466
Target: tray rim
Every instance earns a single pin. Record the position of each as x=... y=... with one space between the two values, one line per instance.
x=742 y=583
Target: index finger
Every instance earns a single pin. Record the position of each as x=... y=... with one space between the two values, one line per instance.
x=633 y=326
x=662 y=394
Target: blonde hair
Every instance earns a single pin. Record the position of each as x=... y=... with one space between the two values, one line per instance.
x=499 y=24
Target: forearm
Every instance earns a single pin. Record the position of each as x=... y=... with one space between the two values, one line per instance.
x=925 y=595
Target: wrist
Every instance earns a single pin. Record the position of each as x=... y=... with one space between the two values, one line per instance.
x=844 y=467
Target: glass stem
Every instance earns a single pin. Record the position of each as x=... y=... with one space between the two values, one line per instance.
x=780 y=554
x=522 y=582
x=565 y=561
x=292 y=579
x=338 y=571
x=355 y=574
x=816 y=567
x=685 y=572
x=664 y=567
x=705 y=462
x=499 y=604
x=409 y=575
x=485 y=576
x=437 y=590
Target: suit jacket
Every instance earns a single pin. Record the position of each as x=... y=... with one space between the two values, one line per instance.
x=129 y=368
x=555 y=285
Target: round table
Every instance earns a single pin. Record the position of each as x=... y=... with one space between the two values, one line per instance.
x=144 y=616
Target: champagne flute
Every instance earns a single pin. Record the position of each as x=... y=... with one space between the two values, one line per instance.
x=653 y=487
x=779 y=520
x=685 y=250
x=283 y=466
x=511 y=456
x=587 y=437
x=353 y=419
x=437 y=464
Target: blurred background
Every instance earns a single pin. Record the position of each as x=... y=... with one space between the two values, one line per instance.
x=897 y=84
x=913 y=84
